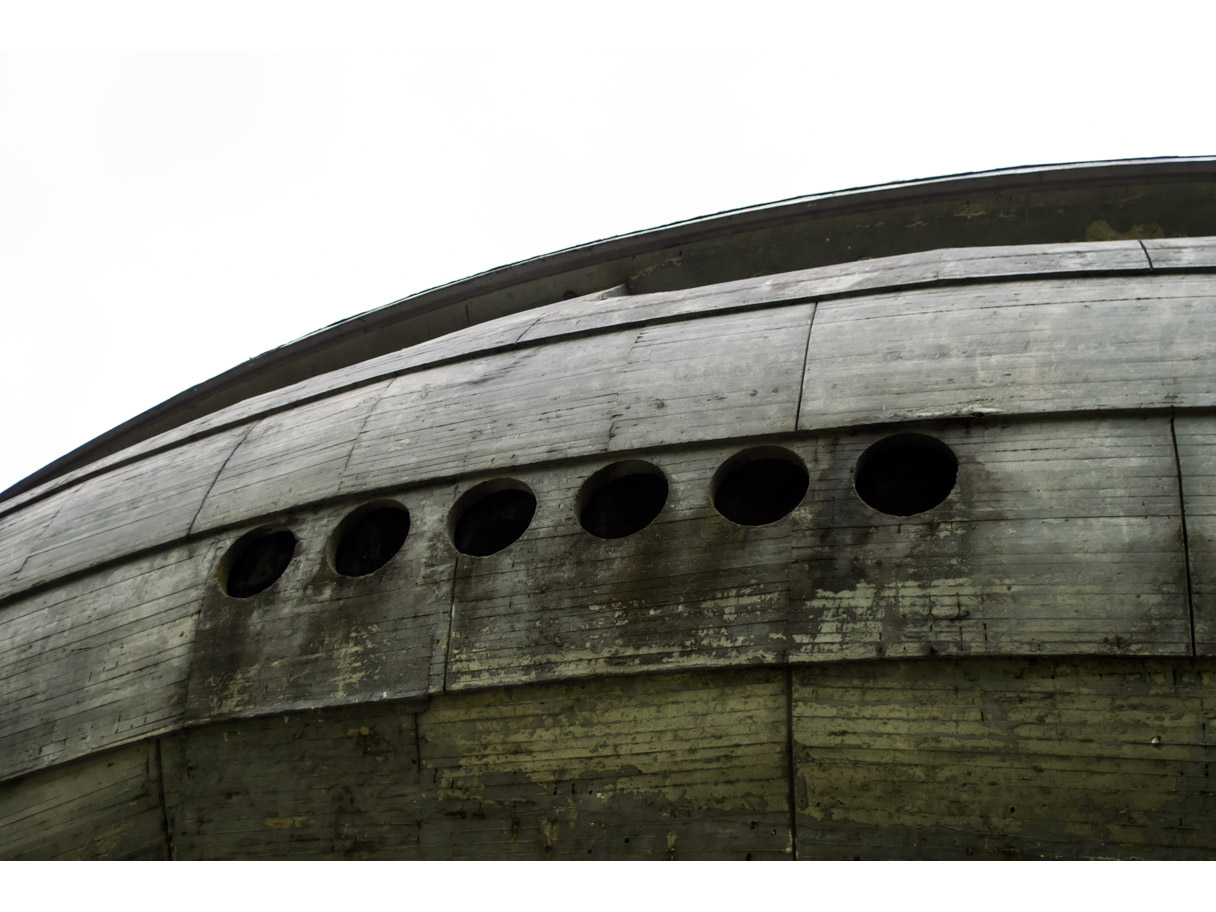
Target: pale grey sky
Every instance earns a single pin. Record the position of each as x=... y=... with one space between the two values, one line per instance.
x=185 y=186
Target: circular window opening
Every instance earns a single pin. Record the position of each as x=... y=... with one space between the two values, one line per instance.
x=906 y=474
x=369 y=538
x=256 y=561
x=492 y=516
x=621 y=499
x=760 y=485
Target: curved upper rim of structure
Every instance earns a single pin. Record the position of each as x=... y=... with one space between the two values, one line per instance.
x=1038 y=204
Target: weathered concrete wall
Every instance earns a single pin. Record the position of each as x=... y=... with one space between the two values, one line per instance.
x=107 y=806
x=992 y=758
x=1091 y=758
x=613 y=374
x=1060 y=537
x=1071 y=383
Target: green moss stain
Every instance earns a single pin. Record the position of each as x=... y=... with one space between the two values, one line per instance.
x=1101 y=230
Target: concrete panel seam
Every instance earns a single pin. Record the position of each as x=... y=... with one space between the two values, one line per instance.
x=527 y=329
x=170 y=852
x=791 y=760
x=1148 y=256
x=447 y=646
x=806 y=355
x=1186 y=547
x=203 y=501
x=354 y=439
x=34 y=545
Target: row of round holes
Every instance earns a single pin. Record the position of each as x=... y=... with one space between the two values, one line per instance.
x=900 y=475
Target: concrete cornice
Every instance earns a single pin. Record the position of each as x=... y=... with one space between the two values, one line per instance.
x=1041 y=204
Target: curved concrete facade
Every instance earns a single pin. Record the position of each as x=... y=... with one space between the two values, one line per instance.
x=1021 y=668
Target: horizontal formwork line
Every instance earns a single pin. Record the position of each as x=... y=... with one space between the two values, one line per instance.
x=751 y=674
x=664 y=750
x=883 y=780
x=121 y=625
x=81 y=815
x=90 y=718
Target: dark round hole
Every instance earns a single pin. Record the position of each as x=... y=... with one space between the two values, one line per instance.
x=492 y=516
x=760 y=486
x=906 y=474
x=369 y=537
x=622 y=499
x=257 y=560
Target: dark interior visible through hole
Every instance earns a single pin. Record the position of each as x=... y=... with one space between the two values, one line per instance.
x=760 y=490
x=906 y=474
x=369 y=540
x=491 y=522
x=622 y=499
x=259 y=561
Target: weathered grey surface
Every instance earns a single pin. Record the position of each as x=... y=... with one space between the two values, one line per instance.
x=316 y=638
x=690 y=590
x=338 y=783
x=1182 y=253
x=679 y=766
x=1060 y=537
x=663 y=384
x=688 y=766
x=956 y=758
x=19 y=535
x=288 y=459
x=1013 y=348
x=1010 y=758
x=1196 y=436
x=614 y=308
x=103 y=807
x=1004 y=348
x=98 y=661
x=463 y=343
x=148 y=504
x=570 y=693
x=938 y=266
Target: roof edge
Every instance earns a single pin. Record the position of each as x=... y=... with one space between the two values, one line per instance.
x=425 y=310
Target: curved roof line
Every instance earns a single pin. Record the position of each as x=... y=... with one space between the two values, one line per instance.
x=644 y=260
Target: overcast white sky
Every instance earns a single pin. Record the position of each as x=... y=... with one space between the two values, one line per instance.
x=184 y=186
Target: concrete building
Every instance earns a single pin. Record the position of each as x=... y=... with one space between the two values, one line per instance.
x=876 y=524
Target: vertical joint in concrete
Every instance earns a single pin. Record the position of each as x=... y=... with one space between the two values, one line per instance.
x=1186 y=545
x=1148 y=256
x=791 y=760
x=170 y=851
x=806 y=356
